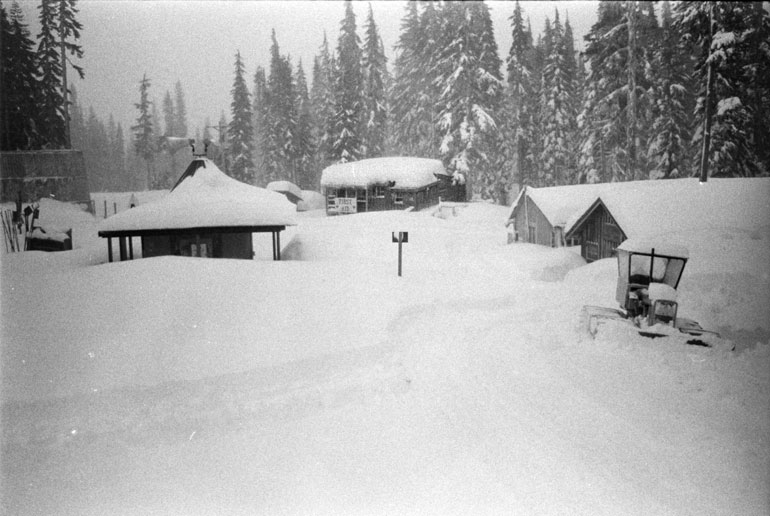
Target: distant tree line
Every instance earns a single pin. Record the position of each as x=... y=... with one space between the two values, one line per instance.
x=655 y=87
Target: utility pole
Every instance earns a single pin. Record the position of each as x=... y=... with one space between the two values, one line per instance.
x=65 y=87
x=704 y=157
x=631 y=118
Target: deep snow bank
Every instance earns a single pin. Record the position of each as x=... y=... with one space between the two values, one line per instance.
x=327 y=385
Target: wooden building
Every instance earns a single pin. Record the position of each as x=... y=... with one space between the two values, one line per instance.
x=599 y=217
x=33 y=175
x=394 y=183
x=206 y=214
x=539 y=215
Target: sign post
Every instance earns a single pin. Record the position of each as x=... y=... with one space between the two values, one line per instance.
x=403 y=237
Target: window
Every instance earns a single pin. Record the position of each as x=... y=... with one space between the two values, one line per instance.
x=399 y=198
x=379 y=191
x=196 y=246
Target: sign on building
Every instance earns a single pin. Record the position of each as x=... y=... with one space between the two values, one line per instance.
x=345 y=205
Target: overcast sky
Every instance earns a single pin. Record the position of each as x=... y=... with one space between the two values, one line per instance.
x=195 y=42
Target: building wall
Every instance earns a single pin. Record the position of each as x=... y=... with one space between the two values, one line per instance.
x=450 y=192
x=532 y=226
x=217 y=245
x=156 y=245
x=600 y=235
x=237 y=245
x=37 y=174
x=381 y=198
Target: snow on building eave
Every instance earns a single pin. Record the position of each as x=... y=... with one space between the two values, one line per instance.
x=643 y=245
x=287 y=188
x=401 y=172
x=651 y=208
x=205 y=197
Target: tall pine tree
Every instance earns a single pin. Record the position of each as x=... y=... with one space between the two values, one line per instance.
x=322 y=104
x=724 y=37
x=670 y=78
x=375 y=77
x=303 y=146
x=18 y=83
x=143 y=131
x=280 y=117
x=349 y=107
x=180 y=111
x=59 y=31
x=519 y=98
x=614 y=111
x=51 y=101
x=557 y=113
x=468 y=68
x=415 y=89
x=259 y=112
x=240 y=130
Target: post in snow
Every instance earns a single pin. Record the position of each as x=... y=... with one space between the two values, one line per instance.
x=403 y=237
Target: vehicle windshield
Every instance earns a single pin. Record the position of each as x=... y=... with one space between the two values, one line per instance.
x=645 y=269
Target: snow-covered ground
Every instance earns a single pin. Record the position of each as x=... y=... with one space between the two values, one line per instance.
x=326 y=384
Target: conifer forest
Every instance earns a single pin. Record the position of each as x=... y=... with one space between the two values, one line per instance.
x=658 y=90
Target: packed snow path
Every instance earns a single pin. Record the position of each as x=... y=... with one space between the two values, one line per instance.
x=280 y=388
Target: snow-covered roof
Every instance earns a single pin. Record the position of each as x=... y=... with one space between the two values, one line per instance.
x=311 y=200
x=206 y=197
x=638 y=245
x=558 y=203
x=287 y=188
x=406 y=172
x=648 y=208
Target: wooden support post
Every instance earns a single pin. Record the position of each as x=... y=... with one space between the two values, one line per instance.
x=402 y=238
x=131 y=247
x=122 y=246
x=105 y=208
x=399 y=257
x=272 y=235
x=278 y=245
x=109 y=248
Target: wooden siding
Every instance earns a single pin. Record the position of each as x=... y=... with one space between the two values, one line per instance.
x=531 y=224
x=383 y=197
x=37 y=174
x=599 y=234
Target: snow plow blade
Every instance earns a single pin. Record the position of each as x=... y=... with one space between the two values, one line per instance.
x=594 y=316
x=686 y=331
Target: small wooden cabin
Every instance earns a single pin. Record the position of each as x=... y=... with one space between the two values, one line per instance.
x=207 y=214
x=394 y=183
x=599 y=217
x=539 y=215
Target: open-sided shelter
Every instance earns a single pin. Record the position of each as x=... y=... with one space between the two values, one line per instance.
x=393 y=183
x=206 y=214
